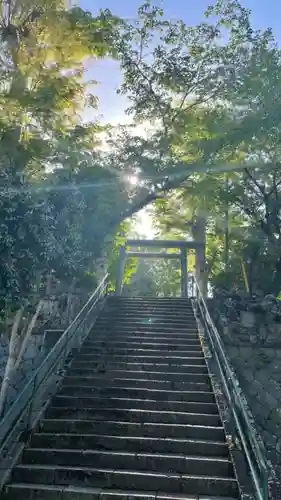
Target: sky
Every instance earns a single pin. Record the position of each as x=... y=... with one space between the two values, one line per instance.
x=265 y=13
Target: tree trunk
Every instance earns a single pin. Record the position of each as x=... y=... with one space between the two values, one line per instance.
x=276 y=282
x=226 y=227
x=10 y=366
x=28 y=333
x=199 y=236
x=69 y=304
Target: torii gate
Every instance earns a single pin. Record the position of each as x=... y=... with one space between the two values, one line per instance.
x=183 y=246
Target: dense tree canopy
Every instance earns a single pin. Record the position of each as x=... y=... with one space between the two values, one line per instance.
x=47 y=153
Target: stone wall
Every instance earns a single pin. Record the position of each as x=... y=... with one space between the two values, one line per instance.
x=32 y=358
x=251 y=331
x=254 y=320
x=259 y=372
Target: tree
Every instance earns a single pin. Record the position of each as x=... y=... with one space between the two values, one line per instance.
x=175 y=76
x=46 y=155
x=228 y=118
x=155 y=278
x=44 y=46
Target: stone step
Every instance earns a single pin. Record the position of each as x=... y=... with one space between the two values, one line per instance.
x=176 y=367
x=100 y=373
x=144 y=305
x=109 y=336
x=132 y=405
x=152 y=342
x=112 y=332
x=186 y=341
x=90 y=346
x=154 y=306
x=83 y=383
x=54 y=492
x=137 y=303
x=107 y=350
x=152 y=310
x=148 y=313
x=169 y=359
x=127 y=301
x=125 y=479
x=149 y=328
x=139 y=299
x=212 y=431
x=134 y=444
x=180 y=464
x=142 y=393
x=155 y=325
x=126 y=402
x=151 y=306
x=135 y=415
x=147 y=318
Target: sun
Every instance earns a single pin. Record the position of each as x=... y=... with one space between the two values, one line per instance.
x=133 y=180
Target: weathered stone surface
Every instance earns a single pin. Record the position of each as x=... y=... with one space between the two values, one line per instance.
x=261 y=376
x=245 y=319
x=254 y=348
x=32 y=358
x=278 y=445
x=259 y=372
x=248 y=319
x=255 y=353
x=271 y=401
x=248 y=375
x=274 y=388
x=270 y=439
x=255 y=388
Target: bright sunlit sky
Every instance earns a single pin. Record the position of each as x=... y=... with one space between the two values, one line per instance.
x=265 y=13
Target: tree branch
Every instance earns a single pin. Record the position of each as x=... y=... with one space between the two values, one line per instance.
x=256 y=183
x=265 y=226
x=149 y=198
x=274 y=189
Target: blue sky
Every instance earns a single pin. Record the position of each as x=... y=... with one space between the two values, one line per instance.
x=265 y=13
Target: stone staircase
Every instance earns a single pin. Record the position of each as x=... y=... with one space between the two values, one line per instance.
x=135 y=417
